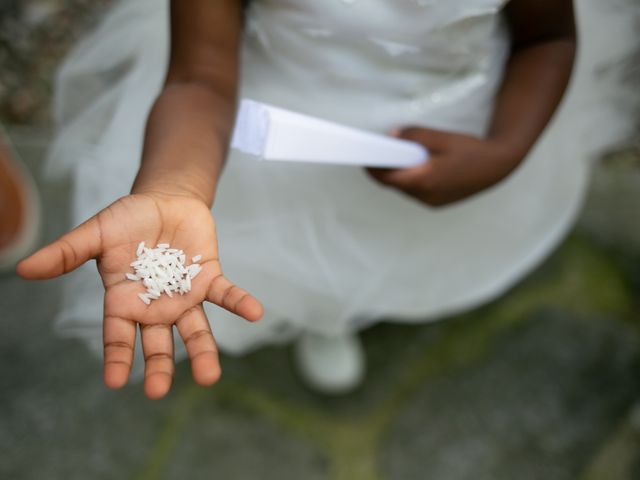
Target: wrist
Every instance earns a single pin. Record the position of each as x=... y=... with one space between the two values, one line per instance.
x=174 y=188
x=507 y=152
x=185 y=143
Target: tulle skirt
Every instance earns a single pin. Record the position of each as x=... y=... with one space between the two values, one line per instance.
x=323 y=247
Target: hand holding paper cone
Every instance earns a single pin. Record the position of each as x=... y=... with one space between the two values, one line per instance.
x=459 y=166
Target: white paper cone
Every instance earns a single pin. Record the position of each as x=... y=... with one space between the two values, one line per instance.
x=272 y=133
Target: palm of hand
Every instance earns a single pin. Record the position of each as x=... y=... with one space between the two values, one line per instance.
x=112 y=237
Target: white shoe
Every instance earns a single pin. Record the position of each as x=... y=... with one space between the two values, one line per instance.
x=332 y=365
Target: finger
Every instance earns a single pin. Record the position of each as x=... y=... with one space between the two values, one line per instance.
x=195 y=331
x=119 y=339
x=403 y=178
x=65 y=254
x=413 y=178
x=157 y=345
x=229 y=296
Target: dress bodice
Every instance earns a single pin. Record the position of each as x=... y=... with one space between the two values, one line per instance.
x=374 y=63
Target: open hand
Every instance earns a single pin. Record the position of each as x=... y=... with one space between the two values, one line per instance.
x=111 y=237
x=459 y=166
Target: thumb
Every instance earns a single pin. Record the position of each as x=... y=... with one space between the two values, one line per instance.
x=65 y=254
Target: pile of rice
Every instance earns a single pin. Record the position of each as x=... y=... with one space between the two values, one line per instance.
x=163 y=270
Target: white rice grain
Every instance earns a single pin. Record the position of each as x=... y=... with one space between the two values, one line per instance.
x=163 y=270
x=194 y=270
x=144 y=297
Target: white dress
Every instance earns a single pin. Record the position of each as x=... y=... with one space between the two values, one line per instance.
x=324 y=247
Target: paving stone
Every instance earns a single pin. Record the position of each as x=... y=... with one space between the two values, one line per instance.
x=619 y=455
x=218 y=442
x=536 y=408
x=610 y=213
x=34 y=37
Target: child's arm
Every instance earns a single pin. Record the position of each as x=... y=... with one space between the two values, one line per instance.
x=538 y=71
x=185 y=146
x=193 y=117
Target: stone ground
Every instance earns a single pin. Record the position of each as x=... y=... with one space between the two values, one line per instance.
x=542 y=384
